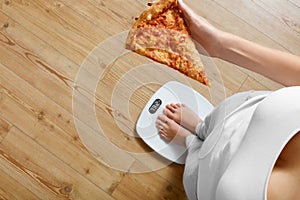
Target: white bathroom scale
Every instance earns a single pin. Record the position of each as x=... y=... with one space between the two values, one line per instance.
x=171 y=92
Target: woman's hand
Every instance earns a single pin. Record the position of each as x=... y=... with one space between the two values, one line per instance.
x=279 y=66
x=207 y=37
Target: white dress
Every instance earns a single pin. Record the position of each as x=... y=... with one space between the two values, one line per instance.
x=241 y=145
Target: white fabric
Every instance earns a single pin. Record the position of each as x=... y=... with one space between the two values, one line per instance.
x=203 y=130
x=236 y=159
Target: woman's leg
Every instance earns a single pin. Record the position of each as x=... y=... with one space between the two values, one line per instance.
x=222 y=110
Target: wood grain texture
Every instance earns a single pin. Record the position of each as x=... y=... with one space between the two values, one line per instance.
x=295 y=2
x=28 y=162
x=11 y=188
x=44 y=44
x=4 y=129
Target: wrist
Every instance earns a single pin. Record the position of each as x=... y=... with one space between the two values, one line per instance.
x=210 y=39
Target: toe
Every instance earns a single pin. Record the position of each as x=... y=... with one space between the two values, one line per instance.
x=168 y=113
x=163 y=136
x=162 y=121
x=173 y=104
x=159 y=121
x=162 y=133
x=158 y=126
x=172 y=107
x=160 y=118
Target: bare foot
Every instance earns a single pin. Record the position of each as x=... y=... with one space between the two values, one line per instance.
x=169 y=130
x=183 y=115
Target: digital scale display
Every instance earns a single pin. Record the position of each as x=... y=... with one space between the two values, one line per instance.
x=155 y=105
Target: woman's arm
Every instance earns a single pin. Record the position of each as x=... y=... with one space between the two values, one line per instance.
x=279 y=66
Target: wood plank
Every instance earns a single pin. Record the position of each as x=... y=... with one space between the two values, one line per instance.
x=45 y=110
x=50 y=27
x=128 y=11
x=75 y=27
x=55 y=86
x=60 y=83
x=173 y=174
x=295 y=2
x=41 y=172
x=5 y=196
x=265 y=82
x=41 y=114
x=146 y=186
x=43 y=107
x=67 y=148
x=34 y=100
x=13 y=189
x=117 y=19
x=251 y=84
x=231 y=75
x=14 y=36
x=263 y=21
x=4 y=128
x=284 y=12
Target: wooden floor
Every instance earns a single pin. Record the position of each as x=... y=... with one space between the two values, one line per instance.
x=49 y=148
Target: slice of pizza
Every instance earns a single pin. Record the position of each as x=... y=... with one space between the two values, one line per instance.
x=161 y=34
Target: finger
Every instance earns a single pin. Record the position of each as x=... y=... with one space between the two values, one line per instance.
x=188 y=13
x=183 y=7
